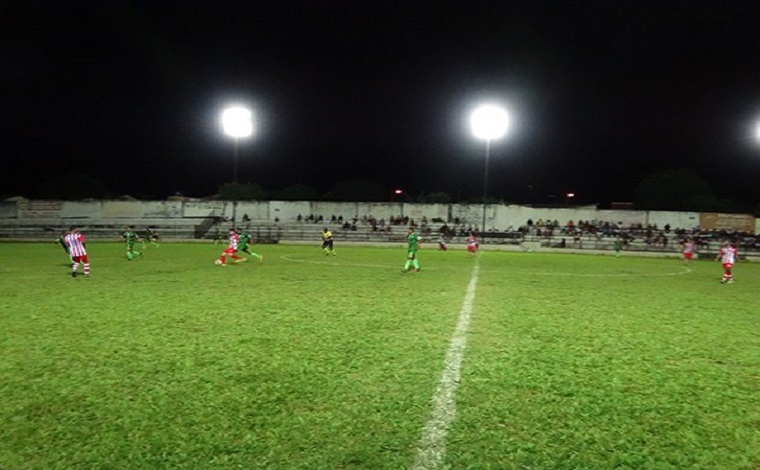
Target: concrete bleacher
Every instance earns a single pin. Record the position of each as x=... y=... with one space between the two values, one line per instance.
x=103 y=229
x=267 y=231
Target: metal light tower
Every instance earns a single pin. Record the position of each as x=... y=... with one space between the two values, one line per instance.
x=488 y=122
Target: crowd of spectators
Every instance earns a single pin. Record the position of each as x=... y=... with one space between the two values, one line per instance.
x=650 y=234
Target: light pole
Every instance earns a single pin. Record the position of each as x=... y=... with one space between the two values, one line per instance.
x=237 y=122
x=488 y=122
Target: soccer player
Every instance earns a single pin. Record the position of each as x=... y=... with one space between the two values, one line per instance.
x=618 y=244
x=688 y=247
x=244 y=239
x=327 y=242
x=62 y=240
x=151 y=236
x=472 y=244
x=231 y=250
x=76 y=243
x=727 y=256
x=413 y=244
x=442 y=243
x=130 y=237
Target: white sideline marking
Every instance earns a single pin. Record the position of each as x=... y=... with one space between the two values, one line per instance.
x=431 y=448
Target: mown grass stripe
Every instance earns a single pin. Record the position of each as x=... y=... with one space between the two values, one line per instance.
x=431 y=449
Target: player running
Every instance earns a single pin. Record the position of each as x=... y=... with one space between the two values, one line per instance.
x=76 y=243
x=62 y=240
x=151 y=236
x=130 y=237
x=727 y=256
x=413 y=244
x=688 y=247
x=472 y=244
x=244 y=239
x=327 y=242
x=231 y=250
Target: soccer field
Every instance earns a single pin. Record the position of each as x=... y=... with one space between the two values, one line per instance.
x=499 y=361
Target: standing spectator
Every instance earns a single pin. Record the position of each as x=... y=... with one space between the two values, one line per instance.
x=77 y=250
x=727 y=257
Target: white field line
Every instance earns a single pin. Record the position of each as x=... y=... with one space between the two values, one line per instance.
x=684 y=270
x=431 y=448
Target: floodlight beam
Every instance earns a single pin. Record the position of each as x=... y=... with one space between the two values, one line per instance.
x=488 y=122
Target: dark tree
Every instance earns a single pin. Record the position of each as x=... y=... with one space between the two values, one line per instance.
x=435 y=197
x=241 y=192
x=296 y=192
x=359 y=190
x=72 y=187
x=675 y=190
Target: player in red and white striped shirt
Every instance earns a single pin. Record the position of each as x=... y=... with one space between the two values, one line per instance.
x=231 y=250
x=688 y=250
x=75 y=242
x=727 y=256
x=472 y=244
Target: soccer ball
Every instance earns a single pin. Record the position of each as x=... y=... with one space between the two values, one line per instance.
x=217 y=262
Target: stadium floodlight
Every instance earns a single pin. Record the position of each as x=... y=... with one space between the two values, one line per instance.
x=237 y=122
x=488 y=122
x=757 y=131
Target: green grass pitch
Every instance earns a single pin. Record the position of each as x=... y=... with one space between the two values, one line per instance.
x=313 y=362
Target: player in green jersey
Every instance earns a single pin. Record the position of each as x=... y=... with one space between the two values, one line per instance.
x=244 y=239
x=413 y=241
x=618 y=244
x=130 y=237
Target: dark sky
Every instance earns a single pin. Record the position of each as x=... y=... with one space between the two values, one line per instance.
x=601 y=94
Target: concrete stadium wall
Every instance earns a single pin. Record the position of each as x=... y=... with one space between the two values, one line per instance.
x=499 y=217
x=8 y=210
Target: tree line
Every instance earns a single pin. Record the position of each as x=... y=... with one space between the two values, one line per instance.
x=674 y=190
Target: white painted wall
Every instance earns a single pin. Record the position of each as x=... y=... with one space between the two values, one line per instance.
x=205 y=209
x=685 y=220
x=500 y=217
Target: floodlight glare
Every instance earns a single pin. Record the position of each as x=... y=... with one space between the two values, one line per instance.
x=489 y=122
x=757 y=131
x=237 y=122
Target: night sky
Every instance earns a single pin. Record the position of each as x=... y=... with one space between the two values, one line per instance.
x=601 y=94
